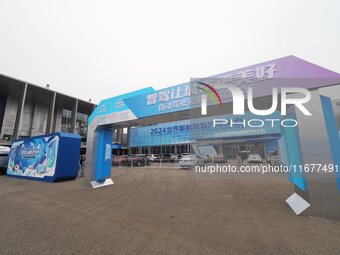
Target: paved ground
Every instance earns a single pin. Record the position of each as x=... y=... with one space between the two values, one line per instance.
x=160 y=211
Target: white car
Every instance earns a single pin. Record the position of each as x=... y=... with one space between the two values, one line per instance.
x=176 y=157
x=4 y=152
x=254 y=158
x=173 y=157
x=189 y=161
x=152 y=157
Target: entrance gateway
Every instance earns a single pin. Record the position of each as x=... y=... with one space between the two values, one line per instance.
x=315 y=140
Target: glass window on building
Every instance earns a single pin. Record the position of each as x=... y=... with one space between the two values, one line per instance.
x=66 y=121
x=81 y=124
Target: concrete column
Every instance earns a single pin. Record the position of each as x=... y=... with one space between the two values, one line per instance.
x=33 y=117
x=3 y=102
x=74 y=116
x=119 y=135
x=128 y=137
x=50 y=117
x=20 y=112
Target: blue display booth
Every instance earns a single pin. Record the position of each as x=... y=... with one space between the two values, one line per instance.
x=49 y=158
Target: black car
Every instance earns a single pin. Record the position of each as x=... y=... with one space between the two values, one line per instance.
x=4 y=154
x=166 y=157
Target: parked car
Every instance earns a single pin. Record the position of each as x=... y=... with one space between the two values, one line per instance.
x=4 y=153
x=120 y=160
x=206 y=158
x=140 y=155
x=144 y=160
x=254 y=158
x=152 y=157
x=271 y=155
x=131 y=160
x=184 y=154
x=138 y=160
x=175 y=157
x=189 y=161
x=275 y=160
x=166 y=157
x=219 y=158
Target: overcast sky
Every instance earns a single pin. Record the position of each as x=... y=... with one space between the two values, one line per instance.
x=98 y=49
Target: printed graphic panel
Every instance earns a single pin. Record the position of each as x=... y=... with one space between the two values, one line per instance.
x=34 y=158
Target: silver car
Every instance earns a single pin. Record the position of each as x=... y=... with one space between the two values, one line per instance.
x=190 y=161
x=254 y=158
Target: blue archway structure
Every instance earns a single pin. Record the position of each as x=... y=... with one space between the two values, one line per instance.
x=314 y=140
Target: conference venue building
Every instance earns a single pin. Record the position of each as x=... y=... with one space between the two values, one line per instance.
x=29 y=110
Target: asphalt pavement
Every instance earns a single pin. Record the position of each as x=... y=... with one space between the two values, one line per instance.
x=160 y=211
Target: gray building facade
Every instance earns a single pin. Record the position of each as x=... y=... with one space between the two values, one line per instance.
x=30 y=110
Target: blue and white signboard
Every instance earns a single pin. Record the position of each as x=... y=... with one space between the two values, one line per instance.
x=117 y=103
x=172 y=99
x=166 y=133
x=185 y=131
x=116 y=146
